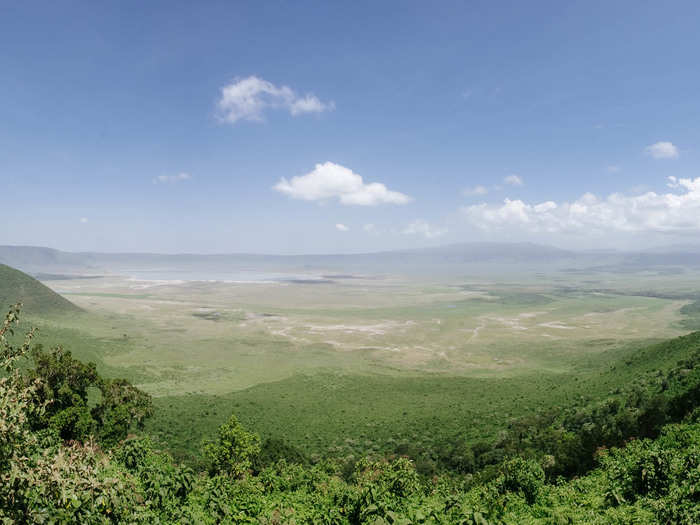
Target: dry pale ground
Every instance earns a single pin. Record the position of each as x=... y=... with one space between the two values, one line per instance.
x=216 y=337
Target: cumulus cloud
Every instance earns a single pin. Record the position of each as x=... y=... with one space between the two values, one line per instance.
x=332 y=181
x=165 y=179
x=341 y=227
x=249 y=98
x=421 y=227
x=476 y=190
x=674 y=212
x=662 y=150
x=513 y=180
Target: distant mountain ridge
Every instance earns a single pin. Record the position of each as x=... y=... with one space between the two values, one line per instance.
x=41 y=259
x=492 y=250
x=36 y=260
x=27 y=257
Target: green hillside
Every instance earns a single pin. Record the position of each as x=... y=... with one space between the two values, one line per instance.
x=37 y=299
x=332 y=414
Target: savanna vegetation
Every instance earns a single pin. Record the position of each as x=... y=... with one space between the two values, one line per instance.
x=72 y=450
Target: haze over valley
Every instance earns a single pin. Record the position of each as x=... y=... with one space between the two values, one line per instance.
x=219 y=324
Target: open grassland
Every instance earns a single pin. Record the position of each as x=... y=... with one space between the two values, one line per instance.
x=215 y=338
x=348 y=365
x=351 y=416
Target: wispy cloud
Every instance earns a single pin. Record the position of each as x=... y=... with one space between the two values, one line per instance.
x=248 y=99
x=341 y=227
x=169 y=179
x=476 y=190
x=674 y=212
x=662 y=150
x=83 y=220
x=510 y=180
x=613 y=168
x=514 y=180
x=421 y=227
x=332 y=181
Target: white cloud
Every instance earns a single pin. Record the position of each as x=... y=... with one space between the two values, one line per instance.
x=83 y=220
x=613 y=168
x=476 y=190
x=677 y=212
x=333 y=181
x=513 y=180
x=248 y=98
x=341 y=227
x=370 y=228
x=309 y=104
x=662 y=150
x=164 y=179
x=421 y=227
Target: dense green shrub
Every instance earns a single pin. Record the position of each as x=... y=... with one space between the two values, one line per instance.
x=163 y=487
x=41 y=479
x=522 y=476
x=274 y=450
x=234 y=450
x=64 y=387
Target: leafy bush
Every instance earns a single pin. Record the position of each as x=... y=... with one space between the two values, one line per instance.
x=40 y=479
x=522 y=476
x=64 y=388
x=274 y=450
x=234 y=451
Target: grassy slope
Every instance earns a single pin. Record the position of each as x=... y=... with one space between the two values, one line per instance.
x=37 y=299
x=351 y=414
x=46 y=310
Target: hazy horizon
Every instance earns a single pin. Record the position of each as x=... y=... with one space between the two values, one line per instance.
x=672 y=247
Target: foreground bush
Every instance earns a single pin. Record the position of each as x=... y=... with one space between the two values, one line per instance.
x=43 y=480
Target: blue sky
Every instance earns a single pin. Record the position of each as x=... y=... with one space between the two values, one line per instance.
x=181 y=126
